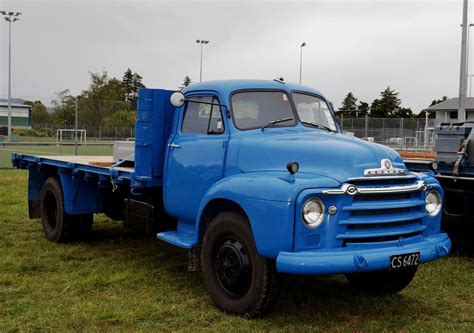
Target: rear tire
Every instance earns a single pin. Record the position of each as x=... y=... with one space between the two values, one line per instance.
x=58 y=226
x=237 y=278
x=382 y=282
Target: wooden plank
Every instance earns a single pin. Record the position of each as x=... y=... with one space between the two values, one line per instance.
x=102 y=161
x=418 y=154
x=101 y=164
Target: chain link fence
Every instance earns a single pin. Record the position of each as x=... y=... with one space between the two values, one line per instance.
x=101 y=122
x=98 y=123
x=398 y=133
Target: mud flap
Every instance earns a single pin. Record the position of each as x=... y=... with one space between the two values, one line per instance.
x=138 y=216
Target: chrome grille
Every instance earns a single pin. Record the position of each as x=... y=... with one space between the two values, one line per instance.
x=381 y=214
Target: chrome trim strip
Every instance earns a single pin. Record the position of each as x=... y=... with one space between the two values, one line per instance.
x=419 y=186
x=452 y=177
x=391 y=171
x=407 y=177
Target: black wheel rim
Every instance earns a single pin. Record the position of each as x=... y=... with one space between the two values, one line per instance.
x=232 y=266
x=51 y=207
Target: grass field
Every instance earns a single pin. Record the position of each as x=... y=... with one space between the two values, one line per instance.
x=120 y=281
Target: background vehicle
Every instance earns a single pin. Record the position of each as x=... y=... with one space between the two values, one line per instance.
x=257 y=178
x=453 y=167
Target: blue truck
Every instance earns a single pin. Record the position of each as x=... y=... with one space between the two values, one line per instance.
x=255 y=179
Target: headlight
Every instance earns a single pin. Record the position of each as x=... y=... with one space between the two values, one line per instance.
x=313 y=212
x=433 y=203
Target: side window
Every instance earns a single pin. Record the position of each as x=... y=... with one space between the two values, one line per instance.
x=202 y=116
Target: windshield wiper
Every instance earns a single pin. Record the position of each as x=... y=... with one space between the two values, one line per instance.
x=273 y=122
x=318 y=126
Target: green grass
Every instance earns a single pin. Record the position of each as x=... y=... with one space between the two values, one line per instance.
x=120 y=281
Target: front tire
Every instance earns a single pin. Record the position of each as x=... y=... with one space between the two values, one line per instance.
x=382 y=282
x=238 y=280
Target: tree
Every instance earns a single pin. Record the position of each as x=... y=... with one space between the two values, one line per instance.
x=376 y=109
x=127 y=80
x=102 y=87
x=104 y=97
x=422 y=114
x=349 y=103
x=39 y=115
x=186 y=82
x=63 y=114
x=120 y=119
x=131 y=83
x=363 y=109
x=387 y=106
x=437 y=101
x=403 y=113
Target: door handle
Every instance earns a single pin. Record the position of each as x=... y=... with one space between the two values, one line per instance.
x=174 y=145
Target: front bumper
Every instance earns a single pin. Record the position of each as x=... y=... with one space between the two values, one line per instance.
x=350 y=260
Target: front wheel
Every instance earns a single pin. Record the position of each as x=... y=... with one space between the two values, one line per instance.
x=382 y=282
x=238 y=280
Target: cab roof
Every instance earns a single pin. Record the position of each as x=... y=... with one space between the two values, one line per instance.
x=227 y=87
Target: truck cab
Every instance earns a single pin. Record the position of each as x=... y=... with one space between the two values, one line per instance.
x=258 y=180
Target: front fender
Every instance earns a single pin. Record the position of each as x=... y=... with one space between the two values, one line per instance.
x=268 y=199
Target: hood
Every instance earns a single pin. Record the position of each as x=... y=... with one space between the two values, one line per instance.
x=327 y=154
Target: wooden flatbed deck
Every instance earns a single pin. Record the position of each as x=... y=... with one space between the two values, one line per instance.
x=98 y=161
x=102 y=167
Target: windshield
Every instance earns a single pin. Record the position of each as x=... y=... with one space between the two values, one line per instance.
x=257 y=109
x=314 y=110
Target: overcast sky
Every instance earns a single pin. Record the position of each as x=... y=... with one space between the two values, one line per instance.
x=358 y=46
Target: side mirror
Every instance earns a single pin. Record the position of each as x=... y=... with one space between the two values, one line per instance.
x=177 y=99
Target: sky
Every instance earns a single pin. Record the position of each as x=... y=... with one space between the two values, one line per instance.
x=357 y=46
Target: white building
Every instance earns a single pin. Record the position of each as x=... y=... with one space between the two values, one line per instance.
x=447 y=111
x=21 y=115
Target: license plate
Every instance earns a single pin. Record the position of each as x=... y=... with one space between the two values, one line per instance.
x=401 y=261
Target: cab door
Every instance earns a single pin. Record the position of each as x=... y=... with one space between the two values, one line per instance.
x=196 y=156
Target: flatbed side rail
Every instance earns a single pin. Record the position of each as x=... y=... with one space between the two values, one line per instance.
x=22 y=161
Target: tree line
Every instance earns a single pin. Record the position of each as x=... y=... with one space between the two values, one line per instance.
x=388 y=105
x=106 y=104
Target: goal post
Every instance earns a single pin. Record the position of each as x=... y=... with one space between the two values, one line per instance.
x=64 y=135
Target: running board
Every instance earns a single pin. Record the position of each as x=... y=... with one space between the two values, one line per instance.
x=181 y=239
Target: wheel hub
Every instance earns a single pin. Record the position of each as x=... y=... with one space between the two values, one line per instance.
x=233 y=269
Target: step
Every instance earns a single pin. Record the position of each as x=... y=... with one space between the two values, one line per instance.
x=179 y=238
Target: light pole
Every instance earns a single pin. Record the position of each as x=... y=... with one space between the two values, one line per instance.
x=199 y=41
x=10 y=17
x=470 y=84
x=463 y=72
x=301 y=59
x=468 y=46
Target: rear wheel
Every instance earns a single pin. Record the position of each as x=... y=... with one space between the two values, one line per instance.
x=382 y=282
x=238 y=280
x=58 y=226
